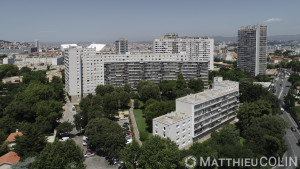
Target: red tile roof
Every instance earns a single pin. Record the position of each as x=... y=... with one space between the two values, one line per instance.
x=9 y=158
x=11 y=137
x=298 y=87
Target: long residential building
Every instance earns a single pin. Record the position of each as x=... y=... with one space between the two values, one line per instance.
x=199 y=114
x=85 y=69
x=196 y=48
x=252 y=49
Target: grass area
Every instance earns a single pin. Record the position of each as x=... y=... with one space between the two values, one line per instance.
x=141 y=121
x=296 y=110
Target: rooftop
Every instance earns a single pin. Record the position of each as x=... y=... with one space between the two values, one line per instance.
x=219 y=89
x=9 y=158
x=171 y=118
x=11 y=137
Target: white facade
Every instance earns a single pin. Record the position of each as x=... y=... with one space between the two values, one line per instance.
x=176 y=126
x=8 y=60
x=85 y=69
x=207 y=110
x=197 y=48
x=58 y=61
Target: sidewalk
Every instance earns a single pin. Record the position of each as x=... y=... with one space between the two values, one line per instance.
x=134 y=125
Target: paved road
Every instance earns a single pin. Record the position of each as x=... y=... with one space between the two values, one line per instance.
x=291 y=138
x=68 y=114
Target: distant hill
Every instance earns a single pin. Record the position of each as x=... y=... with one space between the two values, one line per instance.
x=274 y=37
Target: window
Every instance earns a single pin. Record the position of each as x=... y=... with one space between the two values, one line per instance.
x=156 y=131
x=183 y=136
x=164 y=135
x=183 y=130
x=156 y=125
x=183 y=124
x=177 y=132
x=164 y=128
x=177 y=126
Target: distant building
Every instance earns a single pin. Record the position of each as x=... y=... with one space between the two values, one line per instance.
x=51 y=73
x=8 y=60
x=296 y=59
x=252 y=43
x=199 y=114
x=196 y=48
x=121 y=46
x=13 y=79
x=37 y=45
x=85 y=69
x=58 y=61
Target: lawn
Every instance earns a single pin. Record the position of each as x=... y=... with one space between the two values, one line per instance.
x=140 y=121
x=296 y=110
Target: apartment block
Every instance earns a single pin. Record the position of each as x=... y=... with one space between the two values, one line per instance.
x=121 y=46
x=199 y=114
x=196 y=48
x=86 y=69
x=252 y=49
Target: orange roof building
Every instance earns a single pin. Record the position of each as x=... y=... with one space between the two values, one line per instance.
x=9 y=158
x=11 y=137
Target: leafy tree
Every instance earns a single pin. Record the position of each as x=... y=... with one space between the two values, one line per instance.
x=124 y=99
x=143 y=135
x=149 y=91
x=4 y=148
x=289 y=99
x=78 y=121
x=167 y=87
x=196 y=84
x=39 y=76
x=127 y=88
x=180 y=83
x=31 y=143
x=65 y=127
x=248 y=112
x=106 y=135
x=60 y=155
x=104 y=89
x=58 y=87
x=110 y=104
x=8 y=70
x=260 y=136
x=130 y=154
x=156 y=109
x=160 y=153
x=24 y=70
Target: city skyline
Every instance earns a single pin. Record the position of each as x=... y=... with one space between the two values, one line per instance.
x=88 y=21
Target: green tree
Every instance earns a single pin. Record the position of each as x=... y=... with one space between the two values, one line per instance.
x=248 y=112
x=130 y=154
x=110 y=104
x=104 y=89
x=150 y=91
x=167 y=87
x=8 y=70
x=31 y=143
x=127 y=88
x=156 y=109
x=124 y=99
x=65 y=127
x=196 y=84
x=78 y=121
x=289 y=99
x=181 y=83
x=106 y=135
x=160 y=153
x=60 y=155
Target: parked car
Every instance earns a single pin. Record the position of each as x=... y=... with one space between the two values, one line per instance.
x=64 y=139
x=125 y=125
x=128 y=137
x=123 y=118
x=127 y=133
x=90 y=151
x=293 y=129
x=129 y=141
x=89 y=154
x=85 y=138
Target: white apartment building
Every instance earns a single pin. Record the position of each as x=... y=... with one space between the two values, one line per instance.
x=85 y=69
x=199 y=114
x=197 y=48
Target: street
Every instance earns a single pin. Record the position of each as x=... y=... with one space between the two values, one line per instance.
x=291 y=138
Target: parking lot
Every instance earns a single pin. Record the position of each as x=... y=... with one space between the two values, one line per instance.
x=95 y=161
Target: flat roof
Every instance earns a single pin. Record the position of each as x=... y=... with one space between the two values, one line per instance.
x=220 y=89
x=171 y=118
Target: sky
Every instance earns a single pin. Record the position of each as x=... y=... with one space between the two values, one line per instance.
x=141 y=20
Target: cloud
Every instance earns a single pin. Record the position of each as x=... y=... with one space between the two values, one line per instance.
x=273 y=20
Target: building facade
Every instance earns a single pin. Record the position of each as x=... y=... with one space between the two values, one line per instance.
x=196 y=48
x=200 y=113
x=85 y=69
x=121 y=46
x=252 y=49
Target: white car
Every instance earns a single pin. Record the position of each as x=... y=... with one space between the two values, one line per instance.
x=64 y=139
x=85 y=138
x=89 y=154
x=129 y=141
